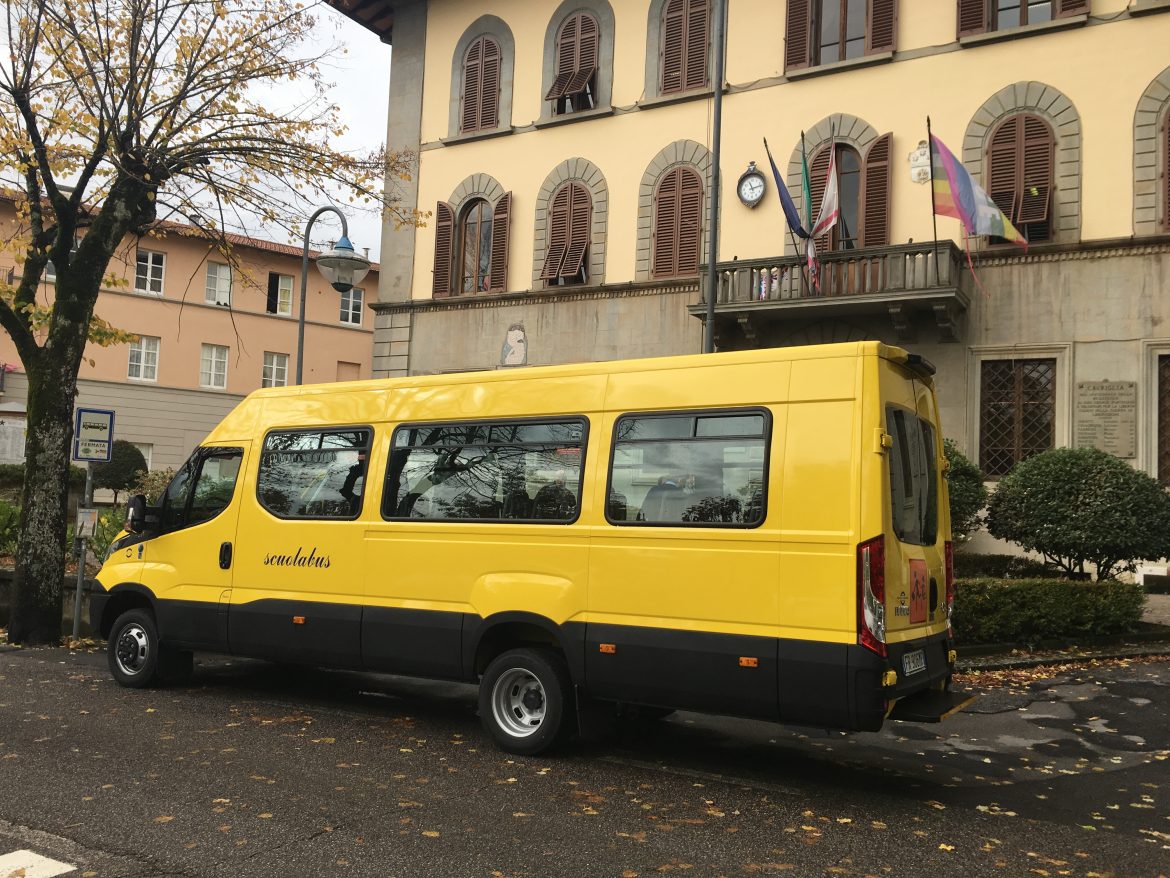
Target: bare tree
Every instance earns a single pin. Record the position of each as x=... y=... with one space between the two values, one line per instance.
x=118 y=114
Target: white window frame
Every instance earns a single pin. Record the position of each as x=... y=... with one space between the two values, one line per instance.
x=283 y=304
x=275 y=365
x=1062 y=353
x=213 y=365
x=141 y=347
x=152 y=256
x=147 y=451
x=215 y=292
x=347 y=309
x=1152 y=349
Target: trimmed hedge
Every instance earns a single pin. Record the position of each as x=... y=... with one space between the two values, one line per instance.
x=1028 y=611
x=975 y=565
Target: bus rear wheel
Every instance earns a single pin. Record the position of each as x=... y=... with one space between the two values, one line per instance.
x=525 y=700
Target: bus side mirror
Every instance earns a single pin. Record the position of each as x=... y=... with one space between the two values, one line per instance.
x=136 y=514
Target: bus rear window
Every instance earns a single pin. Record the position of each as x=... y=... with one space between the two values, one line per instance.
x=913 y=477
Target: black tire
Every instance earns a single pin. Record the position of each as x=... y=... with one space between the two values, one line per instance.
x=175 y=666
x=133 y=649
x=525 y=700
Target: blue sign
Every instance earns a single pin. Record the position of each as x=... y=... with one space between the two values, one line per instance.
x=93 y=435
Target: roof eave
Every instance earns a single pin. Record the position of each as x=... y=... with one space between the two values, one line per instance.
x=376 y=16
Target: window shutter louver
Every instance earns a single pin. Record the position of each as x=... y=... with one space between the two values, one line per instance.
x=690 y=220
x=558 y=235
x=566 y=58
x=444 y=233
x=697 y=43
x=1036 y=172
x=501 y=220
x=882 y=31
x=673 y=46
x=580 y=211
x=666 y=216
x=1072 y=7
x=589 y=35
x=972 y=17
x=472 y=79
x=1002 y=161
x=818 y=177
x=875 y=193
x=489 y=104
x=797 y=33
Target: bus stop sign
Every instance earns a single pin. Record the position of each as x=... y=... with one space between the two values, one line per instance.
x=93 y=435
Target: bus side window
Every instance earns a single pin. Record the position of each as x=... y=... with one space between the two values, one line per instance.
x=214 y=486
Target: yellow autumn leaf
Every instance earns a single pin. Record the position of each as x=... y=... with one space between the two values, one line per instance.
x=430 y=833
x=163 y=819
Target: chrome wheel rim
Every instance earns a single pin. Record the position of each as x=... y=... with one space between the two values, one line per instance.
x=518 y=702
x=132 y=649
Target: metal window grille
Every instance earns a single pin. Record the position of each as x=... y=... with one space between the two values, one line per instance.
x=1017 y=412
x=1164 y=420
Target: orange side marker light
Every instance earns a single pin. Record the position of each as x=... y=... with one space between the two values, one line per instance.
x=298 y=620
x=609 y=648
x=748 y=661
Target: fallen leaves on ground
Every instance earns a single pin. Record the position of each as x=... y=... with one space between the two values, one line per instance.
x=1020 y=677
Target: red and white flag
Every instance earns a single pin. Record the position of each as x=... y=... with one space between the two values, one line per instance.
x=830 y=208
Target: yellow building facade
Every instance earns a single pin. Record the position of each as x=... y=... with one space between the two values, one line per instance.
x=564 y=152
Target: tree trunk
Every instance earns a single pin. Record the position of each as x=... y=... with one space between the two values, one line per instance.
x=40 y=564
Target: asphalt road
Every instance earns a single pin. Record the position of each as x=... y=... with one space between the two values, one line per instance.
x=260 y=770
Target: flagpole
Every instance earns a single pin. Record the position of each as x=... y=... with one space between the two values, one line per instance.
x=933 y=215
x=806 y=200
x=719 y=13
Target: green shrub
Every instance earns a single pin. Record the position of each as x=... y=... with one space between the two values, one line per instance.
x=1080 y=507
x=975 y=565
x=1028 y=611
x=12 y=479
x=966 y=491
x=109 y=523
x=122 y=471
x=9 y=527
x=153 y=484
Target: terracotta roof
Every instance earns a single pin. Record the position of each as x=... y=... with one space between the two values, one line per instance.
x=374 y=15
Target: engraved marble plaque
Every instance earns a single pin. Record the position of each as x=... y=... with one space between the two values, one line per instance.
x=1106 y=417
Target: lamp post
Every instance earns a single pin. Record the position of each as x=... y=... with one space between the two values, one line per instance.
x=341 y=266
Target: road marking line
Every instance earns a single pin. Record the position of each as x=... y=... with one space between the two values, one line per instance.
x=26 y=864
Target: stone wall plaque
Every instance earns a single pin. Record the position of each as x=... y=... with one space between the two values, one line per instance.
x=1106 y=417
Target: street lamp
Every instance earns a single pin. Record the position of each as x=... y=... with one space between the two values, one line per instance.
x=341 y=266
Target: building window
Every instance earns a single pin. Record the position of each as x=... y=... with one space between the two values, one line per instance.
x=143 y=359
x=148 y=274
x=50 y=274
x=981 y=16
x=1017 y=412
x=697 y=469
x=575 y=86
x=275 y=371
x=863 y=192
x=213 y=366
x=678 y=223
x=1164 y=420
x=486 y=472
x=218 y=290
x=481 y=86
x=569 y=218
x=314 y=474
x=827 y=31
x=471 y=256
x=280 y=293
x=685 y=42
x=1020 y=159
x=351 y=306
x=146 y=449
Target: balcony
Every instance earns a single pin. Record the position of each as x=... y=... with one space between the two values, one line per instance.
x=897 y=282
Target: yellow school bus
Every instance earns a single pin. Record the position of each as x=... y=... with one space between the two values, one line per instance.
x=760 y=533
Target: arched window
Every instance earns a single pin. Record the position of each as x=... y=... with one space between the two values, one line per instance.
x=481 y=86
x=863 y=191
x=1165 y=144
x=685 y=42
x=475 y=248
x=678 y=223
x=575 y=86
x=570 y=214
x=471 y=250
x=1019 y=176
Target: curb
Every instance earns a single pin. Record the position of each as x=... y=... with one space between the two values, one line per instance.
x=1003 y=662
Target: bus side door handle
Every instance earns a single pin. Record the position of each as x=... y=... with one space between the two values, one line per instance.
x=225 y=555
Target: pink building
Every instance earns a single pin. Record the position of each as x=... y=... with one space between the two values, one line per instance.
x=210 y=331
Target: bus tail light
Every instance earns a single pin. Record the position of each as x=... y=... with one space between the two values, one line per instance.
x=949 y=550
x=871 y=595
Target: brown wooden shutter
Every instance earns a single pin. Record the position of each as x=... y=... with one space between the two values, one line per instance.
x=797 y=34
x=580 y=214
x=558 y=234
x=472 y=85
x=1036 y=176
x=489 y=104
x=587 y=54
x=444 y=235
x=566 y=58
x=818 y=177
x=882 y=32
x=698 y=40
x=1002 y=166
x=1072 y=7
x=875 y=193
x=673 y=45
x=501 y=216
x=665 y=258
x=1166 y=172
x=973 y=15
x=690 y=222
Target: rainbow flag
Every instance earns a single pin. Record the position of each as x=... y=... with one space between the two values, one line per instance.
x=957 y=194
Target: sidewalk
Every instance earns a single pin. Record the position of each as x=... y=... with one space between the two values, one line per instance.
x=1157 y=609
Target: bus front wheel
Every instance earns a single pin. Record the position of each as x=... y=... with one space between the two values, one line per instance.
x=133 y=649
x=525 y=700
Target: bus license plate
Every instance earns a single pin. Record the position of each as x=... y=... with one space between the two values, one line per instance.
x=913 y=662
